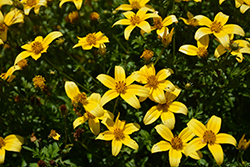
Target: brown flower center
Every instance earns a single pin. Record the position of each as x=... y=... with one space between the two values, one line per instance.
x=135 y=20
x=31 y=2
x=52 y=133
x=37 y=47
x=2 y=143
x=135 y=4
x=119 y=135
x=209 y=137
x=193 y=22
x=91 y=39
x=158 y=23
x=2 y=27
x=81 y=98
x=90 y=116
x=216 y=27
x=176 y=143
x=152 y=81
x=121 y=87
x=202 y=52
x=164 y=107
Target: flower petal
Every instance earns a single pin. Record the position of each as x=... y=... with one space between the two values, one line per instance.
x=174 y=157
x=145 y=26
x=220 y=50
x=197 y=127
x=168 y=119
x=233 y=29
x=130 y=143
x=222 y=18
x=78 y=4
x=95 y=97
x=164 y=73
x=94 y=108
x=152 y=115
x=189 y=50
x=130 y=79
x=71 y=89
x=131 y=128
x=194 y=145
x=203 y=41
x=2 y=155
x=128 y=31
x=50 y=37
x=201 y=32
x=116 y=147
x=186 y=134
x=131 y=99
x=161 y=146
x=124 y=7
x=158 y=95
x=94 y=125
x=109 y=95
x=178 y=107
x=21 y=56
x=217 y=153
x=119 y=73
x=164 y=131
x=78 y=121
x=203 y=20
x=223 y=138
x=138 y=90
x=169 y=20
x=122 y=22
x=223 y=38
x=214 y=124
x=106 y=80
x=107 y=135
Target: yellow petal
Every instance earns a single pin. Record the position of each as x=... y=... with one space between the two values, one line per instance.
x=186 y=134
x=13 y=145
x=217 y=153
x=223 y=138
x=168 y=86
x=203 y=20
x=168 y=119
x=138 y=90
x=233 y=29
x=2 y=155
x=178 y=107
x=95 y=97
x=78 y=121
x=164 y=73
x=94 y=108
x=131 y=99
x=106 y=80
x=109 y=95
x=119 y=73
x=107 y=135
x=171 y=96
x=109 y=123
x=169 y=20
x=78 y=4
x=196 y=127
x=22 y=56
x=158 y=95
x=223 y=38
x=130 y=142
x=244 y=8
x=142 y=12
x=129 y=14
x=127 y=31
x=174 y=157
x=50 y=37
x=118 y=123
x=5 y=2
x=63 y=1
x=220 y=50
x=144 y=26
x=220 y=1
x=124 y=7
x=130 y=79
x=164 y=131
x=122 y=22
x=131 y=128
x=152 y=115
x=10 y=71
x=194 y=145
x=203 y=41
x=116 y=147
x=214 y=124
x=222 y=18
x=71 y=89
x=201 y=32
x=161 y=146
x=196 y=155
x=17 y=138
x=189 y=50
x=94 y=126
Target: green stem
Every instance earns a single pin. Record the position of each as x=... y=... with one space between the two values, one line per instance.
x=159 y=56
x=118 y=41
x=116 y=102
x=65 y=126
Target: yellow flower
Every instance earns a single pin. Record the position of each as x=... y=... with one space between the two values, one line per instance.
x=37 y=47
x=12 y=17
x=167 y=37
x=192 y=20
x=120 y=85
x=5 y=2
x=94 y=16
x=54 y=135
x=10 y=143
x=236 y=48
x=208 y=135
x=200 y=50
x=245 y=7
x=156 y=84
x=175 y=144
x=238 y=3
x=93 y=121
x=161 y=25
x=243 y=143
x=9 y=74
x=92 y=40
x=39 y=82
x=136 y=20
x=135 y=5
x=218 y=28
x=166 y=110
x=77 y=97
x=36 y=4
x=147 y=54
x=119 y=132
x=78 y=3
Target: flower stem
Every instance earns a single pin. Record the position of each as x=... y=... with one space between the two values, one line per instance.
x=159 y=56
x=116 y=102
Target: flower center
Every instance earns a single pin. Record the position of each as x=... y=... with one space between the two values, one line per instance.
x=22 y=63
x=216 y=27
x=202 y=52
x=234 y=46
x=152 y=81
x=135 y=20
x=31 y=2
x=90 y=116
x=38 y=81
x=158 y=23
x=81 y=98
x=147 y=54
x=193 y=22
x=91 y=39
x=2 y=27
x=121 y=87
x=209 y=137
x=135 y=4
x=164 y=107
x=2 y=143
x=37 y=47
x=118 y=134
x=53 y=133
x=176 y=143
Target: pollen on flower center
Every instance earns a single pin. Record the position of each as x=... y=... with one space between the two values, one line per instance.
x=163 y=106
x=81 y=98
x=135 y=4
x=216 y=27
x=158 y=23
x=91 y=39
x=209 y=137
x=90 y=116
x=121 y=87
x=2 y=27
x=152 y=81
x=135 y=20
x=2 y=143
x=118 y=134
x=37 y=47
x=176 y=143
x=31 y=2
x=202 y=52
